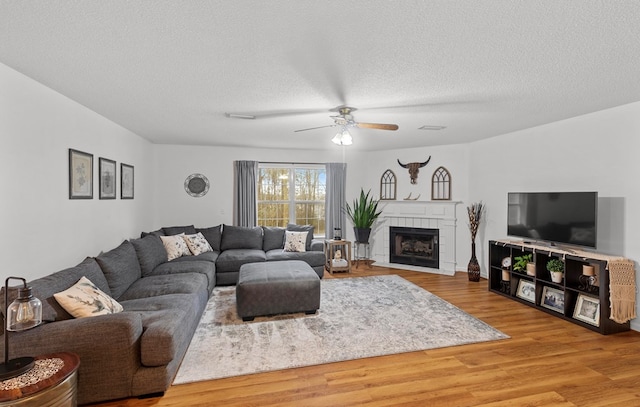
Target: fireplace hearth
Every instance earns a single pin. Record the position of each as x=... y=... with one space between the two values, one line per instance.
x=414 y=246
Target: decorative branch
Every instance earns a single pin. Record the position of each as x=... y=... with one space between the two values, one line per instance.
x=475 y=216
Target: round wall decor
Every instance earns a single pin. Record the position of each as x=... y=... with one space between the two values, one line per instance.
x=196 y=185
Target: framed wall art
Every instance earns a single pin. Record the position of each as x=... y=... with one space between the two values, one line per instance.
x=196 y=185
x=441 y=185
x=587 y=310
x=80 y=175
x=388 y=186
x=126 y=181
x=526 y=290
x=107 y=178
x=553 y=299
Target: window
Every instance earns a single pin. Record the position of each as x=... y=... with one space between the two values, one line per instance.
x=292 y=193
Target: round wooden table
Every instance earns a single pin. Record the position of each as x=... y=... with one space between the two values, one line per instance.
x=51 y=382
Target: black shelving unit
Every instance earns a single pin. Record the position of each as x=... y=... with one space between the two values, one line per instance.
x=579 y=298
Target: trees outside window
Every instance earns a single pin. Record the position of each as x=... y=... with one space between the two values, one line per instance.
x=292 y=193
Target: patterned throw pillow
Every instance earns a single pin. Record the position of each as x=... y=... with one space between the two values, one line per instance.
x=85 y=299
x=175 y=246
x=197 y=243
x=295 y=241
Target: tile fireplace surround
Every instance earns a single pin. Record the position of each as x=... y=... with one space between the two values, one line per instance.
x=417 y=214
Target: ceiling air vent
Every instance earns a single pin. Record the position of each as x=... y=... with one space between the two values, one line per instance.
x=427 y=127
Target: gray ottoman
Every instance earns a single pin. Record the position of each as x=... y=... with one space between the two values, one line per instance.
x=277 y=287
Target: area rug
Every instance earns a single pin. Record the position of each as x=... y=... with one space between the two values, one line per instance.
x=358 y=318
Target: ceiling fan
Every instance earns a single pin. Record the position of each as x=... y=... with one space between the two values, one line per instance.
x=345 y=120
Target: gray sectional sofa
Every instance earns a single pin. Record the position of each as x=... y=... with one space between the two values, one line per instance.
x=138 y=351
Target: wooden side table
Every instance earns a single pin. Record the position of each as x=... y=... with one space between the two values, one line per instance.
x=52 y=382
x=330 y=248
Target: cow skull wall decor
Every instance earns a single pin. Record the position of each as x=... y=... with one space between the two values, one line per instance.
x=414 y=168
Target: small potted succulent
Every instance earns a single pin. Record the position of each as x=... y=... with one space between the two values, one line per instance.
x=522 y=263
x=556 y=268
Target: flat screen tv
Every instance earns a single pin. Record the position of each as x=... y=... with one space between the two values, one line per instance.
x=555 y=217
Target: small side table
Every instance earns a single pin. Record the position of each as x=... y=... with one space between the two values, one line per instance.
x=362 y=254
x=330 y=248
x=52 y=382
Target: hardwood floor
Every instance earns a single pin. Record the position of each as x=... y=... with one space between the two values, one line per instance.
x=547 y=362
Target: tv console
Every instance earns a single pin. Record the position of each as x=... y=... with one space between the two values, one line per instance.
x=582 y=297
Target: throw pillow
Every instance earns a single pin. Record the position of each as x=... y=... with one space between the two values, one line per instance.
x=175 y=246
x=295 y=241
x=85 y=299
x=197 y=243
x=303 y=228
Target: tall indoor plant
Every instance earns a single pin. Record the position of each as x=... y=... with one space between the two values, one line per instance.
x=362 y=214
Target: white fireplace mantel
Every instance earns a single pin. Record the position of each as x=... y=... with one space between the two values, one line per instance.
x=418 y=214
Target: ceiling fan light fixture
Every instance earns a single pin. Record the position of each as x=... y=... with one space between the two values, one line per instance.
x=343 y=138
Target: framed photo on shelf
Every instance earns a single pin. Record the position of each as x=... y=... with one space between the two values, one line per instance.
x=526 y=290
x=107 y=180
x=587 y=310
x=126 y=181
x=553 y=299
x=80 y=175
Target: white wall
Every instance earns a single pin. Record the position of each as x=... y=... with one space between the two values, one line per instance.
x=594 y=152
x=173 y=164
x=42 y=230
x=453 y=157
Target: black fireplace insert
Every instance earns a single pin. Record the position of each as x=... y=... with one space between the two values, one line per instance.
x=414 y=246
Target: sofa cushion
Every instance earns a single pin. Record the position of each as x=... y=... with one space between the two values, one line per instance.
x=84 y=299
x=153 y=286
x=175 y=246
x=120 y=267
x=231 y=260
x=303 y=228
x=240 y=237
x=206 y=256
x=168 y=322
x=213 y=236
x=158 y=233
x=206 y=268
x=312 y=258
x=44 y=288
x=150 y=252
x=176 y=230
x=295 y=241
x=197 y=244
x=273 y=238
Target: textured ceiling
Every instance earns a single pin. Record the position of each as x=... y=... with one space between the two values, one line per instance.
x=169 y=70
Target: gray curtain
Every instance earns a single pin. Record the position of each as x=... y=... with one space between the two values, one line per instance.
x=245 y=195
x=335 y=199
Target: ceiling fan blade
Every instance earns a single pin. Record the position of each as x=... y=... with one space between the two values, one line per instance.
x=379 y=126
x=314 y=128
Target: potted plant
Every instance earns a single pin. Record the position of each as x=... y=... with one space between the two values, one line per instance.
x=362 y=214
x=556 y=268
x=522 y=262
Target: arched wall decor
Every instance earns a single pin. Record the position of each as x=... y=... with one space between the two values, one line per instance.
x=388 y=186
x=441 y=185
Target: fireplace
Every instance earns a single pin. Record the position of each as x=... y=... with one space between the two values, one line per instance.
x=414 y=246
